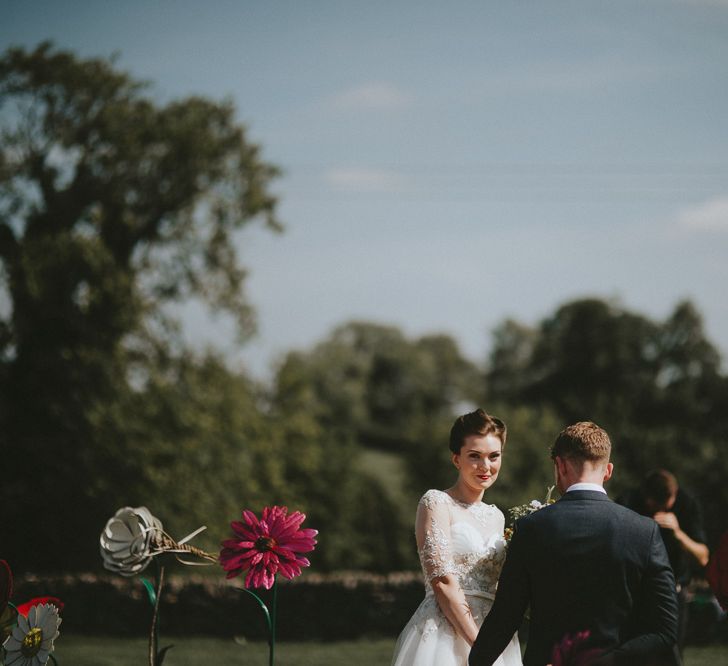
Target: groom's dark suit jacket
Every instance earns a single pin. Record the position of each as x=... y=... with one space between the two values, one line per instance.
x=585 y=563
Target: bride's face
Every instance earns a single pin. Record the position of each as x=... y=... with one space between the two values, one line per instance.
x=479 y=461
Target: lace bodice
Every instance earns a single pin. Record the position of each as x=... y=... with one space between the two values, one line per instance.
x=465 y=540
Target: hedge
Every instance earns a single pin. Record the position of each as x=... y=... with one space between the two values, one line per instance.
x=341 y=606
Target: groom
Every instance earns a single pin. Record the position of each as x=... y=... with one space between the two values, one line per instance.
x=585 y=564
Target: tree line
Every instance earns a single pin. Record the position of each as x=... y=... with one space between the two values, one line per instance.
x=115 y=208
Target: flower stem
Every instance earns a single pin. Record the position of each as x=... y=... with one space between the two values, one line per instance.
x=154 y=630
x=274 y=605
x=270 y=618
x=263 y=607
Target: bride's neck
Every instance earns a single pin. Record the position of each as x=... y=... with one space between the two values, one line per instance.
x=462 y=493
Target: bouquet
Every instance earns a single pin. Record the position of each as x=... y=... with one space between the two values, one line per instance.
x=521 y=510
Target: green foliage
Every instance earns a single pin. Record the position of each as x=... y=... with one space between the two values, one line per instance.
x=372 y=386
x=387 y=392
x=111 y=208
x=361 y=526
x=201 y=449
x=527 y=471
x=655 y=386
x=591 y=358
x=369 y=387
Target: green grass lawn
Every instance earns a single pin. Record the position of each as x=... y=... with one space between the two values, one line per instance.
x=82 y=651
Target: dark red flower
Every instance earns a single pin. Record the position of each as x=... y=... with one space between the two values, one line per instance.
x=7 y=612
x=6 y=584
x=574 y=650
x=266 y=547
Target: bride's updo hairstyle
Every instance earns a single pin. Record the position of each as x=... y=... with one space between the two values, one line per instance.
x=475 y=423
x=583 y=442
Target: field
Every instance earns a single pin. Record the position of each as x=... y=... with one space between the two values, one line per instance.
x=82 y=651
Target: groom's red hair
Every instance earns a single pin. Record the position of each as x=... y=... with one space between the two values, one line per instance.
x=583 y=441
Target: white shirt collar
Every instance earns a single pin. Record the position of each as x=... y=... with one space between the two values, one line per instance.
x=586 y=486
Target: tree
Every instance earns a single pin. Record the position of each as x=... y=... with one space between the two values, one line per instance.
x=593 y=359
x=512 y=349
x=387 y=390
x=655 y=386
x=689 y=365
x=197 y=448
x=363 y=524
x=368 y=389
x=112 y=207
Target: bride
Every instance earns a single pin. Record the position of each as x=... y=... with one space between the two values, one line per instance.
x=461 y=547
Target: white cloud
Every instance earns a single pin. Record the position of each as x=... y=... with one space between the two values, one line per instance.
x=357 y=179
x=374 y=95
x=711 y=215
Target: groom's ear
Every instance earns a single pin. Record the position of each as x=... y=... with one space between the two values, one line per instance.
x=608 y=472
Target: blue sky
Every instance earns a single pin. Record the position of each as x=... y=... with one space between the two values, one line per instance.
x=448 y=165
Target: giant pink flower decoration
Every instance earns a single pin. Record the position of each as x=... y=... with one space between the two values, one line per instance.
x=266 y=547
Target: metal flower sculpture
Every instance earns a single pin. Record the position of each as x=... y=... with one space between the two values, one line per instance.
x=265 y=548
x=133 y=536
x=131 y=539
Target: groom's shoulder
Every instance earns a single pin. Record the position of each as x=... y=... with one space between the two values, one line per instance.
x=628 y=519
x=604 y=514
x=631 y=517
x=605 y=506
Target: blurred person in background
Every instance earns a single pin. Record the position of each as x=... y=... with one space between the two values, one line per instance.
x=681 y=525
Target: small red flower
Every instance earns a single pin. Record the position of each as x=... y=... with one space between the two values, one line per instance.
x=23 y=609
x=266 y=547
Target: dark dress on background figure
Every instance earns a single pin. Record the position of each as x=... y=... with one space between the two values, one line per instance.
x=585 y=563
x=688 y=514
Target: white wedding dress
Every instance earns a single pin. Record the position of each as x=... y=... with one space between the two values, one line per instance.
x=465 y=540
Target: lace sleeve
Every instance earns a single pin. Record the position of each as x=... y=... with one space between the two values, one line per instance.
x=432 y=529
